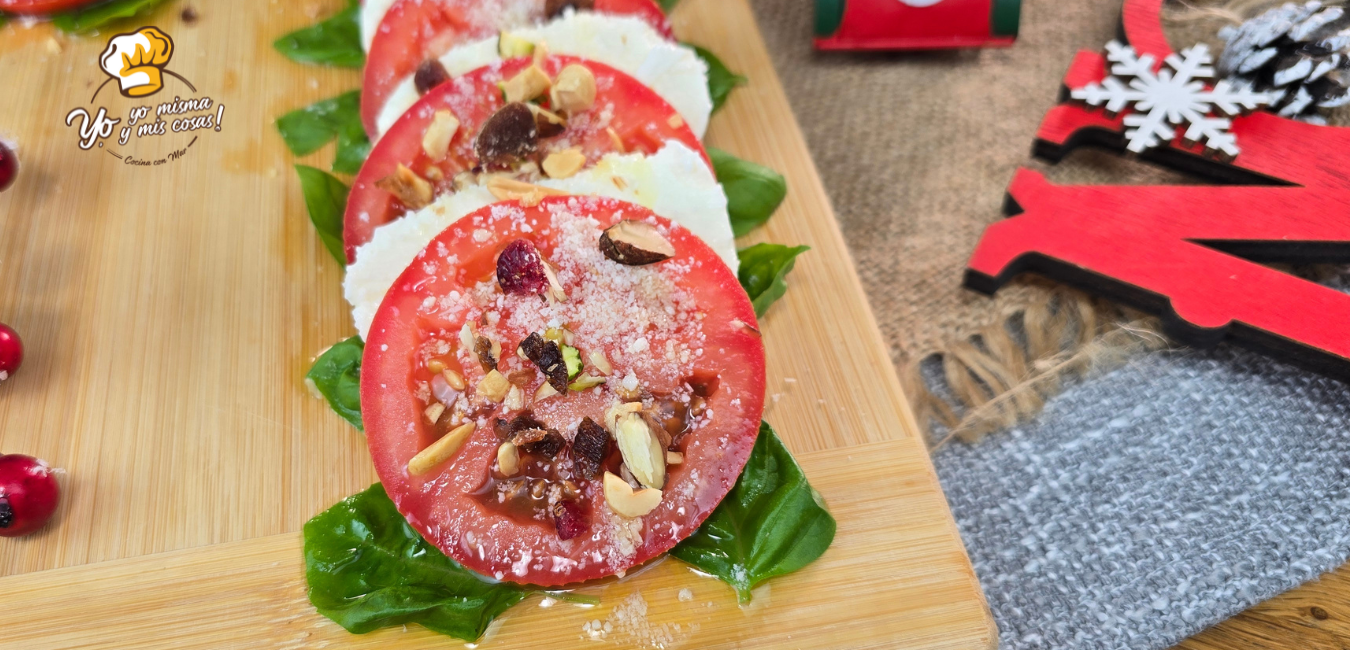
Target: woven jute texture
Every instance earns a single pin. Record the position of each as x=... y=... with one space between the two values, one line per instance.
x=916 y=150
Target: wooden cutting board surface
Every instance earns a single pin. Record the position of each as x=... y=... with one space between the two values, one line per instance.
x=170 y=312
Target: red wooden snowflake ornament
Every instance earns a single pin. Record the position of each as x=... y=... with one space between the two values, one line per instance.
x=1189 y=253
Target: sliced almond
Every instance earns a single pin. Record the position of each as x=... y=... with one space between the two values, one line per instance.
x=635 y=243
x=642 y=451
x=573 y=89
x=556 y=293
x=545 y=391
x=675 y=121
x=468 y=335
x=565 y=163
x=510 y=189
x=434 y=412
x=674 y=458
x=455 y=379
x=436 y=139
x=547 y=122
x=615 y=140
x=440 y=451
x=508 y=459
x=617 y=411
x=526 y=85
x=515 y=398
x=739 y=324
x=493 y=387
x=625 y=501
x=600 y=362
x=409 y=188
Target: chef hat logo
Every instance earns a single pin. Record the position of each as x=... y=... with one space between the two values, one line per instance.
x=136 y=61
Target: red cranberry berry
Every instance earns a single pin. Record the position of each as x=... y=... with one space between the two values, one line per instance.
x=9 y=167
x=569 y=519
x=28 y=495
x=520 y=269
x=11 y=351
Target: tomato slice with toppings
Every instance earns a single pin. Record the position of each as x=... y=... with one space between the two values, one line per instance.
x=40 y=6
x=672 y=344
x=413 y=31
x=624 y=108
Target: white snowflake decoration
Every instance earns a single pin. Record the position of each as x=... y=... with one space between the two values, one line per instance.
x=1166 y=98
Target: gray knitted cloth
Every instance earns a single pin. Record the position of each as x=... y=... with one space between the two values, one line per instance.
x=1156 y=500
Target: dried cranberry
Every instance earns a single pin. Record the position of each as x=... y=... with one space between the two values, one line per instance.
x=589 y=448
x=569 y=518
x=11 y=351
x=520 y=269
x=28 y=495
x=9 y=167
x=430 y=73
x=548 y=356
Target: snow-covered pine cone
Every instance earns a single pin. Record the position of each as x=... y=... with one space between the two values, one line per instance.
x=1298 y=54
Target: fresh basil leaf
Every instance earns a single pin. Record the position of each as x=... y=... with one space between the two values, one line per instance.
x=307 y=129
x=336 y=41
x=771 y=524
x=337 y=375
x=4 y=18
x=326 y=200
x=367 y=569
x=721 y=80
x=98 y=15
x=753 y=191
x=764 y=269
x=667 y=5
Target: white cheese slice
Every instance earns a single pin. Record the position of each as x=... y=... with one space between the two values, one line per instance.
x=372 y=12
x=674 y=182
x=625 y=43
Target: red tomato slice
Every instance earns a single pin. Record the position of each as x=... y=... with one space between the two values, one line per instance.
x=697 y=331
x=642 y=120
x=40 y=6
x=416 y=30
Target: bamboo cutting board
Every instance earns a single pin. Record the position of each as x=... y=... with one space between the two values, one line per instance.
x=170 y=312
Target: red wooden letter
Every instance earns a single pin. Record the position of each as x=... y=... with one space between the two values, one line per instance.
x=1189 y=253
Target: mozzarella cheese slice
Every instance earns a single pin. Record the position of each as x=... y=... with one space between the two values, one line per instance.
x=675 y=183
x=372 y=12
x=624 y=43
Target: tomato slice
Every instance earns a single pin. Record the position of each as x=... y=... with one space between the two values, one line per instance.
x=40 y=6
x=681 y=333
x=636 y=114
x=416 y=30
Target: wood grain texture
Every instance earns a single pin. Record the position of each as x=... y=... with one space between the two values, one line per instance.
x=170 y=314
x=887 y=582
x=1315 y=616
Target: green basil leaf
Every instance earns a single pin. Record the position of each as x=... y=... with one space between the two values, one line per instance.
x=337 y=375
x=336 y=41
x=721 y=81
x=98 y=15
x=307 y=129
x=771 y=524
x=667 y=5
x=4 y=18
x=753 y=191
x=367 y=569
x=326 y=200
x=764 y=269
